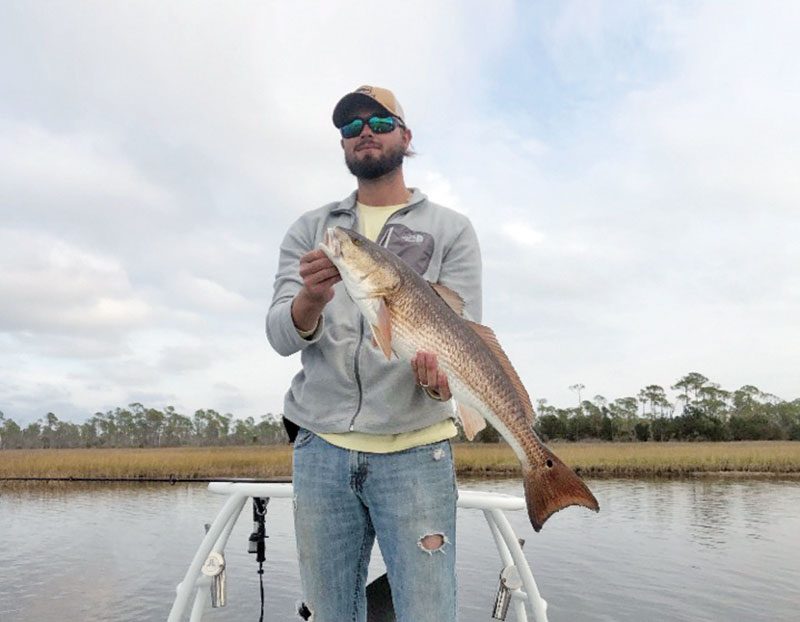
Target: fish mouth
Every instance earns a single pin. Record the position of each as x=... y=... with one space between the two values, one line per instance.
x=330 y=243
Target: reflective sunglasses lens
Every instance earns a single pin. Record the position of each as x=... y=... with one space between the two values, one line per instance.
x=352 y=129
x=381 y=125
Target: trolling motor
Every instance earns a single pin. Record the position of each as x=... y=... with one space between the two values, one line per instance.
x=256 y=543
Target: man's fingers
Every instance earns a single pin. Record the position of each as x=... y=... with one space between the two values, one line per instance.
x=426 y=369
x=432 y=367
x=313 y=255
x=317 y=262
x=328 y=283
x=443 y=386
x=422 y=369
x=318 y=276
x=315 y=269
x=317 y=265
x=313 y=262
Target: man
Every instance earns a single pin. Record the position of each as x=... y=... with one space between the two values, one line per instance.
x=372 y=455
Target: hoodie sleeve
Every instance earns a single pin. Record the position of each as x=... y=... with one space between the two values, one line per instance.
x=281 y=331
x=461 y=271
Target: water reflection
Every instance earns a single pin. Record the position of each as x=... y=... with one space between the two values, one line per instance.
x=659 y=550
x=709 y=505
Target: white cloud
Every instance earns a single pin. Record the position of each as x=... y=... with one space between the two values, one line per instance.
x=640 y=160
x=60 y=170
x=438 y=188
x=208 y=295
x=50 y=286
x=522 y=233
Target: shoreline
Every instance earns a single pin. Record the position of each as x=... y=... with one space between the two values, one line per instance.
x=648 y=475
x=17 y=484
x=747 y=459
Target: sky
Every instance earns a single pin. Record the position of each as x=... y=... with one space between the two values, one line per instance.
x=631 y=169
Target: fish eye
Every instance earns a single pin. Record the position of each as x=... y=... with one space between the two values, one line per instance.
x=357 y=241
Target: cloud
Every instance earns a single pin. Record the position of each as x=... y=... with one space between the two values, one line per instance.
x=50 y=286
x=522 y=233
x=629 y=169
x=48 y=174
x=207 y=295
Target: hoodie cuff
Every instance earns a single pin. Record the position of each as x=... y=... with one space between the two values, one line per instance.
x=314 y=334
x=283 y=334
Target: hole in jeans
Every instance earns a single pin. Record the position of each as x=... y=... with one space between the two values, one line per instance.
x=432 y=542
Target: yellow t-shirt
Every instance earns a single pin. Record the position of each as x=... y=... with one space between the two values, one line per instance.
x=370 y=222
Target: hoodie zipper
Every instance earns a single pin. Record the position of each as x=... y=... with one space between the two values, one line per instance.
x=356 y=371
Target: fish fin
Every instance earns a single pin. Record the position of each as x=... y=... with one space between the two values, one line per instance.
x=471 y=421
x=453 y=300
x=490 y=339
x=374 y=341
x=382 y=332
x=550 y=486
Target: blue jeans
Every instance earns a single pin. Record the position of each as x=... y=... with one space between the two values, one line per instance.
x=344 y=499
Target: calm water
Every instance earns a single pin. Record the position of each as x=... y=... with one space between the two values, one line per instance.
x=675 y=550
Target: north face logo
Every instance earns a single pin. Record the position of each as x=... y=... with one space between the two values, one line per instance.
x=413 y=247
x=412 y=238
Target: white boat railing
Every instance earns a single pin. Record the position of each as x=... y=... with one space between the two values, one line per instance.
x=516 y=579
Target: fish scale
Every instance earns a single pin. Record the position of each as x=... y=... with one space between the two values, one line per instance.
x=470 y=375
x=409 y=316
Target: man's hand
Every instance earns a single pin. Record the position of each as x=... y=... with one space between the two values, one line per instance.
x=429 y=376
x=319 y=276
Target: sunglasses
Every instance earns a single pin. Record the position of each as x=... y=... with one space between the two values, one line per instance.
x=379 y=125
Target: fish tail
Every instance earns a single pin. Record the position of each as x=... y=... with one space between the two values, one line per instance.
x=550 y=486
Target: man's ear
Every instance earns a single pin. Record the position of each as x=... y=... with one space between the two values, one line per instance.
x=408 y=136
x=341 y=143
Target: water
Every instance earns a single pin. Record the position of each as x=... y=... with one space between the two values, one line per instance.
x=672 y=550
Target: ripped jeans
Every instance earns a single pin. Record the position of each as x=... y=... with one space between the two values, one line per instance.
x=345 y=498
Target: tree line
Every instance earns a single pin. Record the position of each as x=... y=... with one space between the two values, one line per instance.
x=702 y=411
x=138 y=426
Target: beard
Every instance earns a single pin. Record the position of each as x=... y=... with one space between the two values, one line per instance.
x=371 y=168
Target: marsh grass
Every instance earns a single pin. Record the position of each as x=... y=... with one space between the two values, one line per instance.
x=595 y=459
x=646 y=459
x=181 y=462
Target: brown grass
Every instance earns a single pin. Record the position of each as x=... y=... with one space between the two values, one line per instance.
x=181 y=462
x=646 y=459
x=596 y=459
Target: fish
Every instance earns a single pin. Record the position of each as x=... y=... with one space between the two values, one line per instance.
x=408 y=314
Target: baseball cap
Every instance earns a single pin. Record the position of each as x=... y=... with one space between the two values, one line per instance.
x=369 y=96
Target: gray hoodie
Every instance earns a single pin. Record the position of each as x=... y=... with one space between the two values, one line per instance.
x=346 y=384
